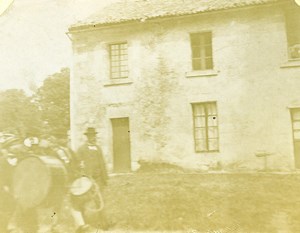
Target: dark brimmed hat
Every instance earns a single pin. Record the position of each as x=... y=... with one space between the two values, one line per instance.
x=90 y=131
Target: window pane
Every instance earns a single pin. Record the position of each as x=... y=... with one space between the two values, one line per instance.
x=115 y=58
x=213 y=144
x=124 y=46
x=124 y=68
x=196 y=52
x=123 y=63
x=212 y=121
x=208 y=51
x=114 y=63
x=296 y=114
x=207 y=38
x=200 y=133
x=296 y=125
x=201 y=145
x=195 y=39
x=212 y=132
x=124 y=74
x=114 y=75
x=196 y=64
x=114 y=46
x=199 y=110
x=115 y=69
x=123 y=57
x=199 y=121
x=123 y=52
x=115 y=52
x=209 y=63
x=296 y=134
x=211 y=108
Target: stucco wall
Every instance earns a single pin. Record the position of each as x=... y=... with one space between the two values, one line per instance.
x=252 y=90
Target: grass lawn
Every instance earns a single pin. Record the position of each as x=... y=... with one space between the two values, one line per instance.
x=205 y=202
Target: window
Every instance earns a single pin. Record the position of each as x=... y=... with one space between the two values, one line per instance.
x=295 y=113
x=118 y=60
x=201 y=44
x=292 y=17
x=206 y=127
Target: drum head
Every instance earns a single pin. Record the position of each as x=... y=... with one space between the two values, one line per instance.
x=81 y=186
x=31 y=182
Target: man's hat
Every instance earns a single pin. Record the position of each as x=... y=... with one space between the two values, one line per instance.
x=90 y=131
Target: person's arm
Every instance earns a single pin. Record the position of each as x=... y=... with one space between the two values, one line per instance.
x=79 y=158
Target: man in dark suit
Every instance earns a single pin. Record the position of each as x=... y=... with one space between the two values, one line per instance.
x=91 y=161
x=92 y=164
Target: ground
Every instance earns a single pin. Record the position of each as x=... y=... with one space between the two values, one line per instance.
x=205 y=202
x=178 y=201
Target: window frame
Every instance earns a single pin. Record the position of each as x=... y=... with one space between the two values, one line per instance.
x=202 y=53
x=294 y=120
x=206 y=127
x=291 y=10
x=119 y=76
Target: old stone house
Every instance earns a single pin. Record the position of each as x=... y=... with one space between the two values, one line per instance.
x=197 y=83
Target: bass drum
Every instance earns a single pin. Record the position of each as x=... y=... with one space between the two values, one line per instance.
x=39 y=180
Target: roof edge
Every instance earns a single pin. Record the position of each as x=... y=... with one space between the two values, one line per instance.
x=94 y=26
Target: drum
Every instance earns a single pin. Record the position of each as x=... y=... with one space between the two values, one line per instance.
x=39 y=180
x=85 y=191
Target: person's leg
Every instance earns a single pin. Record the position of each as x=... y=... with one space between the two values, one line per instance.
x=94 y=211
x=27 y=220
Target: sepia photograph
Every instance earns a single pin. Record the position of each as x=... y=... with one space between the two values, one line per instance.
x=150 y=116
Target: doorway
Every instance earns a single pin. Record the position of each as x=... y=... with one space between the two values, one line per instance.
x=121 y=145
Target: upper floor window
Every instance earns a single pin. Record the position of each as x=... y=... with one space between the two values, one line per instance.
x=206 y=132
x=118 y=60
x=292 y=17
x=202 y=57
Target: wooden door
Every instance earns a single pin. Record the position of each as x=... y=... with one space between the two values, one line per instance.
x=121 y=145
x=295 y=113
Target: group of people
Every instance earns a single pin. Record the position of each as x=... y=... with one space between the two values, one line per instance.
x=86 y=164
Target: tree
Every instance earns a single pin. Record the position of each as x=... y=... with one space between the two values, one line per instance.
x=53 y=99
x=19 y=115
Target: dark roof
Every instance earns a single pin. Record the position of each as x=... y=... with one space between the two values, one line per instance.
x=133 y=10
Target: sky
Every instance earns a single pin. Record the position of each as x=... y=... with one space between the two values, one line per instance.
x=33 y=40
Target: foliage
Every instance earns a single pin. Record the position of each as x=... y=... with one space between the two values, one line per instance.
x=19 y=114
x=53 y=98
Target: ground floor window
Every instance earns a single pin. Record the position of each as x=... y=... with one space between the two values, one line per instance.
x=295 y=114
x=206 y=134
x=296 y=123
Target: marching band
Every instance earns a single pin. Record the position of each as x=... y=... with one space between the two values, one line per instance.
x=42 y=173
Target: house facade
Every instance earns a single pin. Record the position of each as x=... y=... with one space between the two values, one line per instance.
x=200 y=84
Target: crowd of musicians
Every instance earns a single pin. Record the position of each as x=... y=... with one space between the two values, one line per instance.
x=26 y=166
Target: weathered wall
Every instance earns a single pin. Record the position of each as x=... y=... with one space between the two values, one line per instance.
x=252 y=90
